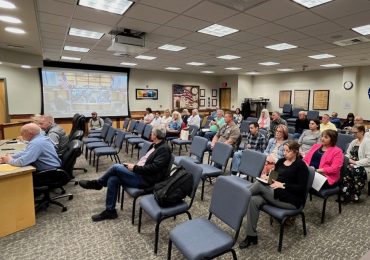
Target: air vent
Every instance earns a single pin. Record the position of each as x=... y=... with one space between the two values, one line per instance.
x=352 y=41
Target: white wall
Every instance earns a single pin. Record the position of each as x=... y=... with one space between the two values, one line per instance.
x=24 y=89
x=362 y=88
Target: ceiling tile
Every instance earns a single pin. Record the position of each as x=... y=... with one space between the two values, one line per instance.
x=171 y=5
x=138 y=25
x=243 y=36
x=170 y=32
x=53 y=28
x=321 y=28
x=187 y=23
x=90 y=14
x=242 y=21
x=300 y=20
x=355 y=20
x=199 y=37
x=80 y=24
x=53 y=19
x=273 y=10
x=288 y=36
x=267 y=29
x=340 y=8
x=149 y=14
x=210 y=12
x=54 y=7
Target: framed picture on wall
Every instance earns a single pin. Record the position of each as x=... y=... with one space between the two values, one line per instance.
x=214 y=102
x=202 y=102
x=321 y=99
x=202 y=92
x=146 y=93
x=214 y=92
x=185 y=96
x=285 y=97
x=302 y=99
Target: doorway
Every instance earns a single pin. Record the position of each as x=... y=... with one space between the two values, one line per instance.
x=4 y=114
x=225 y=99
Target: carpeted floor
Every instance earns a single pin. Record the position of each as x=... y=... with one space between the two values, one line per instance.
x=72 y=234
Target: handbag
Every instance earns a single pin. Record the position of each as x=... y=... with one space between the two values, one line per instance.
x=184 y=134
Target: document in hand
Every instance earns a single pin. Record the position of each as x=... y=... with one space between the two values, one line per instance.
x=273 y=175
x=318 y=181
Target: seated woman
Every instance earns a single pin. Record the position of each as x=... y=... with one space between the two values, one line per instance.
x=184 y=117
x=349 y=122
x=238 y=117
x=264 y=120
x=288 y=191
x=355 y=176
x=194 y=119
x=149 y=116
x=174 y=127
x=275 y=148
x=309 y=137
x=326 y=158
x=166 y=118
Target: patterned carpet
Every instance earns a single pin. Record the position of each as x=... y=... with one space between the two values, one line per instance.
x=72 y=234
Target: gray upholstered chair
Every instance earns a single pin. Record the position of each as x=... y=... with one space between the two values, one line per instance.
x=157 y=213
x=202 y=239
x=197 y=149
x=137 y=140
x=252 y=163
x=282 y=215
x=192 y=133
x=344 y=140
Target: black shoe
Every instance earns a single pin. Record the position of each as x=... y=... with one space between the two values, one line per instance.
x=106 y=214
x=249 y=240
x=91 y=185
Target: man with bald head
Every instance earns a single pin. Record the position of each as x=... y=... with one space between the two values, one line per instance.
x=39 y=152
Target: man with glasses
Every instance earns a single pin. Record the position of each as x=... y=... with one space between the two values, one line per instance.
x=255 y=141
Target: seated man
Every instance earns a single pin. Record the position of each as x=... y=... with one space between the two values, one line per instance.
x=215 y=125
x=276 y=120
x=56 y=134
x=151 y=168
x=326 y=124
x=39 y=152
x=229 y=133
x=335 y=120
x=95 y=122
x=255 y=141
x=301 y=124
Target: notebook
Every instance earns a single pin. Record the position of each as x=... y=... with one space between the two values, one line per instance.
x=272 y=176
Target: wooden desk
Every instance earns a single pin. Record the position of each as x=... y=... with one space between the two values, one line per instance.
x=17 y=209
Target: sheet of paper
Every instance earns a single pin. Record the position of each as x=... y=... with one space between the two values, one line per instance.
x=318 y=181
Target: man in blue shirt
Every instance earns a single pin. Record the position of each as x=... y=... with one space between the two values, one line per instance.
x=39 y=152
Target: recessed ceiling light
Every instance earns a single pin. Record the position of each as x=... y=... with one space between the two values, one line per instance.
x=233 y=68
x=269 y=63
x=144 y=57
x=128 y=64
x=285 y=70
x=194 y=63
x=26 y=66
x=364 y=30
x=70 y=58
x=281 y=46
x=173 y=68
x=331 y=65
x=207 y=71
x=72 y=48
x=311 y=3
x=218 y=30
x=1 y=63
x=228 y=57
x=253 y=73
x=85 y=33
x=9 y=19
x=6 y=4
x=14 y=30
x=170 y=47
x=116 y=6
x=321 y=56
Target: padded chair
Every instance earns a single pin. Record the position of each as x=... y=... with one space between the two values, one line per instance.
x=126 y=123
x=282 y=215
x=136 y=141
x=77 y=135
x=291 y=120
x=332 y=191
x=252 y=163
x=344 y=140
x=74 y=124
x=312 y=114
x=202 y=239
x=107 y=141
x=149 y=204
x=98 y=137
x=137 y=133
x=290 y=136
x=244 y=127
x=220 y=155
x=252 y=119
x=291 y=129
x=46 y=181
x=263 y=131
x=287 y=111
x=193 y=130
x=197 y=149
x=106 y=121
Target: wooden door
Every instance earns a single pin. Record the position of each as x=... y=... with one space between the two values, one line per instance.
x=3 y=103
x=225 y=98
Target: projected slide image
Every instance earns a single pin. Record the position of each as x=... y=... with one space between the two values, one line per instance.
x=66 y=92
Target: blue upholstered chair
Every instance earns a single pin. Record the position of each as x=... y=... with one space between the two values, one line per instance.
x=197 y=149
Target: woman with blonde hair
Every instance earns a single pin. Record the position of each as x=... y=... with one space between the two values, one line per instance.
x=166 y=118
x=264 y=120
x=174 y=127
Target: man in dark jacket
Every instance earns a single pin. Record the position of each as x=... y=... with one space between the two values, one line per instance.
x=150 y=169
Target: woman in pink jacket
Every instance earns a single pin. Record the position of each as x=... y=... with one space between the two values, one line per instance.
x=326 y=158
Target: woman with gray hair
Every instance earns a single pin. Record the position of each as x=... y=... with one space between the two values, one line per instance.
x=174 y=127
x=194 y=119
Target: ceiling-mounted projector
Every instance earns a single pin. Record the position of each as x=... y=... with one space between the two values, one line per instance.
x=128 y=42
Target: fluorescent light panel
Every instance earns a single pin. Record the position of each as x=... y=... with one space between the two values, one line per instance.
x=321 y=56
x=253 y=73
x=233 y=68
x=26 y=66
x=331 y=65
x=70 y=58
x=10 y=19
x=116 y=6
x=173 y=68
x=311 y=3
x=364 y=30
x=15 y=30
x=281 y=46
x=85 y=33
x=285 y=70
x=72 y=48
x=144 y=57
x=228 y=57
x=207 y=71
x=128 y=64
x=218 y=30
x=170 y=47
x=194 y=63
x=6 y=5
x=269 y=63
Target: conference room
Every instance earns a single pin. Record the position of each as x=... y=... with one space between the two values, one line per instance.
x=117 y=58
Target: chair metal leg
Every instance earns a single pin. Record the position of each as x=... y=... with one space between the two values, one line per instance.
x=180 y=149
x=122 y=197
x=368 y=188
x=304 y=224
x=97 y=164
x=140 y=215
x=323 y=211
x=156 y=236
x=169 y=251
x=310 y=197
x=201 y=196
x=339 y=203
x=189 y=215
x=233 y=253
x=133 y=211
x=119 y=161
x=281 y=235
x=132 y=150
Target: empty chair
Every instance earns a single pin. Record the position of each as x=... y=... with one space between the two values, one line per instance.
x=192 y=132
x=197 y=149
x=96 y=137
x=312 y=114
x=126 y=123
x=252 y=119
x=287 y=111
x=220 y=156
x=282 y=215
x=291 y=120
x=344 y=140
x=107 y=141
x=202 y=239
x=252 y=163
x=291 y=129
x=137 y=140
x=139 y=129
x=244 y=127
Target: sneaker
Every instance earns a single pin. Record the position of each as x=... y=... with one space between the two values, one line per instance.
x=91 y=185
x=249 y=240
x=106 y=214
